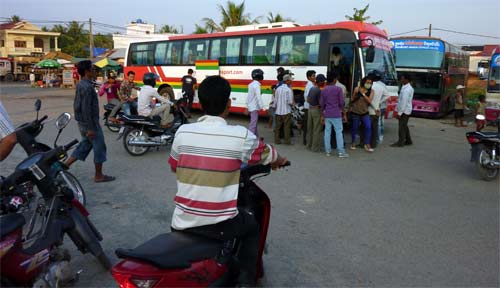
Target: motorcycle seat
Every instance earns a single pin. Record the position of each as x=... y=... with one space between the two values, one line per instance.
x=175 y=250
x=10 y=222
x=137 y=118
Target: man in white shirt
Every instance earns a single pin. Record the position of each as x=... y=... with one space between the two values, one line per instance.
x=311 y=80
x=144 y=102
x=254 y=100
x=404 y=108
x=283 y=101
x=380 y=95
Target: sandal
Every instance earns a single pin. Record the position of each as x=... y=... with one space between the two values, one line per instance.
x=353 y=147
x=368 y=148
x=105 y=178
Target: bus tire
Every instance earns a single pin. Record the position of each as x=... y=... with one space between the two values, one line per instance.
x=9 y=77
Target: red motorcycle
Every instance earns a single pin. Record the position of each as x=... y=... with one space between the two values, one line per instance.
x=179 y=259
x=43 y=263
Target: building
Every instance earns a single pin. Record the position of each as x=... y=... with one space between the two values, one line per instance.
x=137 y=31
x=481 y=54
x=25 y=39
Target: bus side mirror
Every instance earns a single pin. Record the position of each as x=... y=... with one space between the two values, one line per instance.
x=370 y=54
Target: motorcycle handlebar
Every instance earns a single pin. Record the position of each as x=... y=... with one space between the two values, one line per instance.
x=43 y=119
x=70 y=145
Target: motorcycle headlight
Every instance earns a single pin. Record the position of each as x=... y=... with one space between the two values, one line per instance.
x=144 y=283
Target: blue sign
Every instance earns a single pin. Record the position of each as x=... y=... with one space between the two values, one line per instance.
x=418 y=44
x=495 y=61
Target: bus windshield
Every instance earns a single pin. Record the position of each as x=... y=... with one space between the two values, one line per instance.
x=419 y=53
x=419 y=58
x=384 y=63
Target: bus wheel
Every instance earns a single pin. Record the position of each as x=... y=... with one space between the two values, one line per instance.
x=9 y=77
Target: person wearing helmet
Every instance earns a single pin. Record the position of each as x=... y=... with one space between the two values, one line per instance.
x=145 y=106
x=254 y=100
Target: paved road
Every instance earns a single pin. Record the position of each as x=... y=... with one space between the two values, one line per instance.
x=417 y=216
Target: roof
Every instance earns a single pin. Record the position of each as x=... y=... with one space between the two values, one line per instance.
x=7 y=26
x=347 y=25
x=118 y=53
x=58 y=55
x=488 y=49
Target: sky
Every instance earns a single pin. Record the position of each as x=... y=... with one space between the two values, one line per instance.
x=399 y=16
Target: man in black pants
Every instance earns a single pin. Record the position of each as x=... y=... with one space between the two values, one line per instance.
x=188 y=87
x=404 y=108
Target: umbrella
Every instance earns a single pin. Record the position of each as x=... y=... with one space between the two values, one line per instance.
x=106 y=62
x=48 y=63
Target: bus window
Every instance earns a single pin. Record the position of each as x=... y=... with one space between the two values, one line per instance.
x=227 y=51
x=259 y=49
x=299 y=49
x=161 y=53
x=195 y=50
x=142 y=54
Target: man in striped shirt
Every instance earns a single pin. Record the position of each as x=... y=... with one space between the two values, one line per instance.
x=206 y=157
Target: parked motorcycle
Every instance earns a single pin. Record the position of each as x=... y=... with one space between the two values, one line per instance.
x=44 y=263
x=485 y=151
x=26 y=137
x=141 y=133
x=180 y=259
x=114 y=126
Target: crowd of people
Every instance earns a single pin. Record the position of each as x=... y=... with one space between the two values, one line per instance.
x=325 y=108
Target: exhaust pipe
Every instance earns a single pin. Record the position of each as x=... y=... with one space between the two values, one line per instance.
x=133 y=142
x=493 y=164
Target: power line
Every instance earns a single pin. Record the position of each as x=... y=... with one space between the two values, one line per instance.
x=408 y=32
x=447 y=30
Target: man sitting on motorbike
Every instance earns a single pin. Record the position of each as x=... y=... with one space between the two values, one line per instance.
x=206 y=157
x=147 y=108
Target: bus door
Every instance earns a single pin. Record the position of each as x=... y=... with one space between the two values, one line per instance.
x=342 y=61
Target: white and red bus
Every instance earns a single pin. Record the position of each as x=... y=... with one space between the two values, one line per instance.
x=235 y=54
x=436 y=68
x=493 y=87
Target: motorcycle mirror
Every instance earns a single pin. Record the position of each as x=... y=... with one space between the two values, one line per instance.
x=480 y=117
x=63 y=120
x=38 y=105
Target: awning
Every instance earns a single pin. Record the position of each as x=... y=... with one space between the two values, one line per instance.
x=106 y=62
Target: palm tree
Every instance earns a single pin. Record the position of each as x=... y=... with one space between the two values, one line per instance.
x=232 y=15
x=359 y=15
x=200 y=30
x=169 y=29
x=277 y=18
x=15 y=18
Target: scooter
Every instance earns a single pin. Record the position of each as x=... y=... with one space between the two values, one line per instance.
x=141 y=133
x=179 y=259
x=485 y=151
x=44 y=263
x=26 y=137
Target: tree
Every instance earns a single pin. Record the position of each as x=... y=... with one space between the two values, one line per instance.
x=15 y=18
x=359 y=15
x=277 y=18
x=169 y=29
x=74 y=38
x=232 y=15
x=104 y=41
x=200 y=30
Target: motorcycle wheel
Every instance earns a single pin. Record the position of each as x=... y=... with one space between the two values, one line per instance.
x=132 y=149
x=111 y=127
x=75 y=185
x=486 y=173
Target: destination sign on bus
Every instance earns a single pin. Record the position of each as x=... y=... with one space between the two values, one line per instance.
x=418 y=44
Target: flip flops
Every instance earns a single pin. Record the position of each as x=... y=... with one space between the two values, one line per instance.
x=105 y=178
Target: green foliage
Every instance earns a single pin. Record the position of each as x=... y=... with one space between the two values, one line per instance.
x=169 y=29
x=232 y=15
x=15 y=18
x=277 y=18
x=104 y=41
x=200 y=30
x=359 y=15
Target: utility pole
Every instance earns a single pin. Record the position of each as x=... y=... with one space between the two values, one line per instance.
x=91 y=39
x=430 y=30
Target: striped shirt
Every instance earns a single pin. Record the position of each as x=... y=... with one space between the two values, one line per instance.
x=207 y=157
x=283 y=100
x=6 y=127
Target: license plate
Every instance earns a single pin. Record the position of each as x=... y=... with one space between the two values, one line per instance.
x=121 y=130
